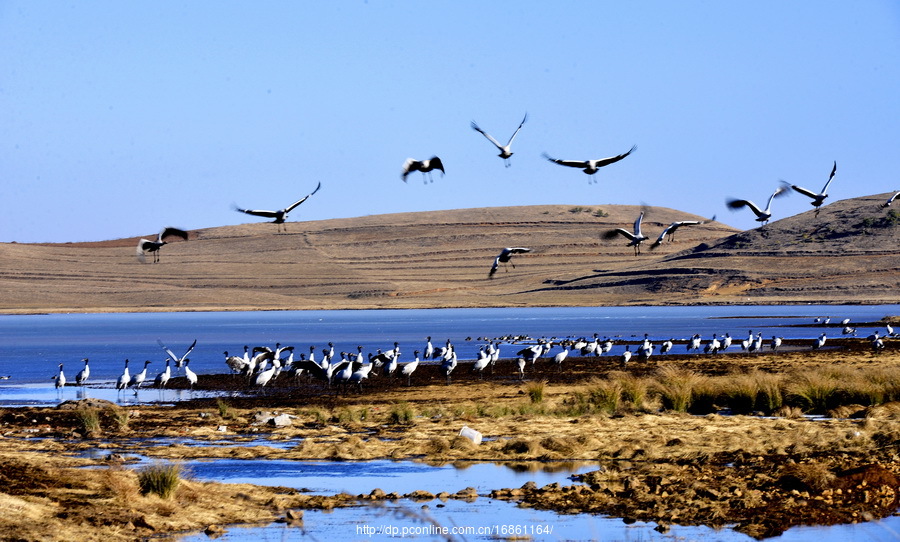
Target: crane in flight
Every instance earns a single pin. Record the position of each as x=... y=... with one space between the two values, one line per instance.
x=590 y=166
x=281 y=215
x=425 y=166
x=817 y=199
x=762 y=215
x=505 y=257
x=146 y=245
x=635 y=237
x=505 y=151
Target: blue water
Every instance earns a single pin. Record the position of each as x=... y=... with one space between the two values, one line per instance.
x=33 y=345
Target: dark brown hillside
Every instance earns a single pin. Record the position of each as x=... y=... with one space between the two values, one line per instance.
x=849 y=253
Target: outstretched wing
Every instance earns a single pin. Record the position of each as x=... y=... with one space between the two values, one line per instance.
x=830 y=178
x=258 y=212
x=805 y=192
x=411 y=164
x=436 y=163
x=670 y=228
x=173 y=232
x=190 y=349
x=171 y=354
x=487 y=135
x=508 y=143
x=738 y=203
x=570 y=163
x=611 y=234
x=494 y=267
x=637 y=226
x=518 y=250
x=141 y=248
x=613 y=159
x=301 y=200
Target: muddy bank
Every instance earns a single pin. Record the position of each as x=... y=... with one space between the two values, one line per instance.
x=763 y=473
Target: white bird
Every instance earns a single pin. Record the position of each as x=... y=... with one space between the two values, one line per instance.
x=408 y=369
x=163 y=378
x=635 y=238
x=179 y=361
x=280 y=216
x=756 y=346
x=726 y=342
x=481 y=363
x=138 y=379
x=429 y=349
x=817 y=199
x=60 y=378
x=505 y=151
x=666 y=347
x=671 y=228
x=590 y=166
x=888 y=328
x=124 y=378
x=626 y=356
x=189 y=374
x=83 y=374
x=820 y=342
x=776 y=342
x=505 y=257
x=425 y=166
x=713 y=346
x=890 y=201
x=520 y=363
x=531 y=353
x=559 y=358
x=448 y=365
x=146 y=245
x=265 y=377
x=694 y=343
x=762 y=215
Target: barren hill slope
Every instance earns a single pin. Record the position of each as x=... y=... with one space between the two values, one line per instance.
x=849 y=253
x=442 y=258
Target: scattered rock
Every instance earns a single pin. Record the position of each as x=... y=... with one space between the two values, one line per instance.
x=85 y=404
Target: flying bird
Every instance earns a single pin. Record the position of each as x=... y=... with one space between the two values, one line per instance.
x=505 y=151
x=671 y=228
x=635 y=238
x=179 y=360
x=425 y=166
x=817 y=199
x=761 y=215
x=146 y=245
x=279 y=216
x=590 y=166
x=505 y=257
x=890 y=201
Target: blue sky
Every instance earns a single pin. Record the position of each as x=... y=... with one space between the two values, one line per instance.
x=120 y=118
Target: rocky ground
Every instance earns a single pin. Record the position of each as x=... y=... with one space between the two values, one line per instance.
x=704 y=466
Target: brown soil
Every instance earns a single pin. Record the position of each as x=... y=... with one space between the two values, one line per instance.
x=764 y=474
x=848 y=254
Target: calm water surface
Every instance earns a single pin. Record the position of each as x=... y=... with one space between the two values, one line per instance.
x=33 y=345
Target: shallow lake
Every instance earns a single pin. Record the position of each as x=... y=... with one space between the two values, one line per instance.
x=35 y=344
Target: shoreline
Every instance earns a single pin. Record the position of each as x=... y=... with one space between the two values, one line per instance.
x=762 y=473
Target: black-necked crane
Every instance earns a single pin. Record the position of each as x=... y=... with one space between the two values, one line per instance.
x=776 y=342
x=590 y=166
x=762 y=215
x=163 y=378
x=146 y=245
x=890 y=201
x=817 y=199
x=124 y=378
x=520 y=364
x=561 y=356
x=505 y=151
x=83 y=374
x=481 y=363
x=666 y=346
x=726 y=342
x=820 y=342
x=425 y=166
x=237 y=364
x=670 y=230
x=505 y=257
x=138 y=379
x=189 y=374
x=60 y=378
x=626 y=356
x=408 y=369
x=280 y=216
x=635 y=238
x=179 y=361
x=429 y=349
x=449 y=364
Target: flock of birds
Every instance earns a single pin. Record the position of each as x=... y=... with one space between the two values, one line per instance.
x=260 y=366
x=590 y=167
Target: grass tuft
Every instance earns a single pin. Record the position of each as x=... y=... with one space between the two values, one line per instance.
x=535 y=391
x=160 y=479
